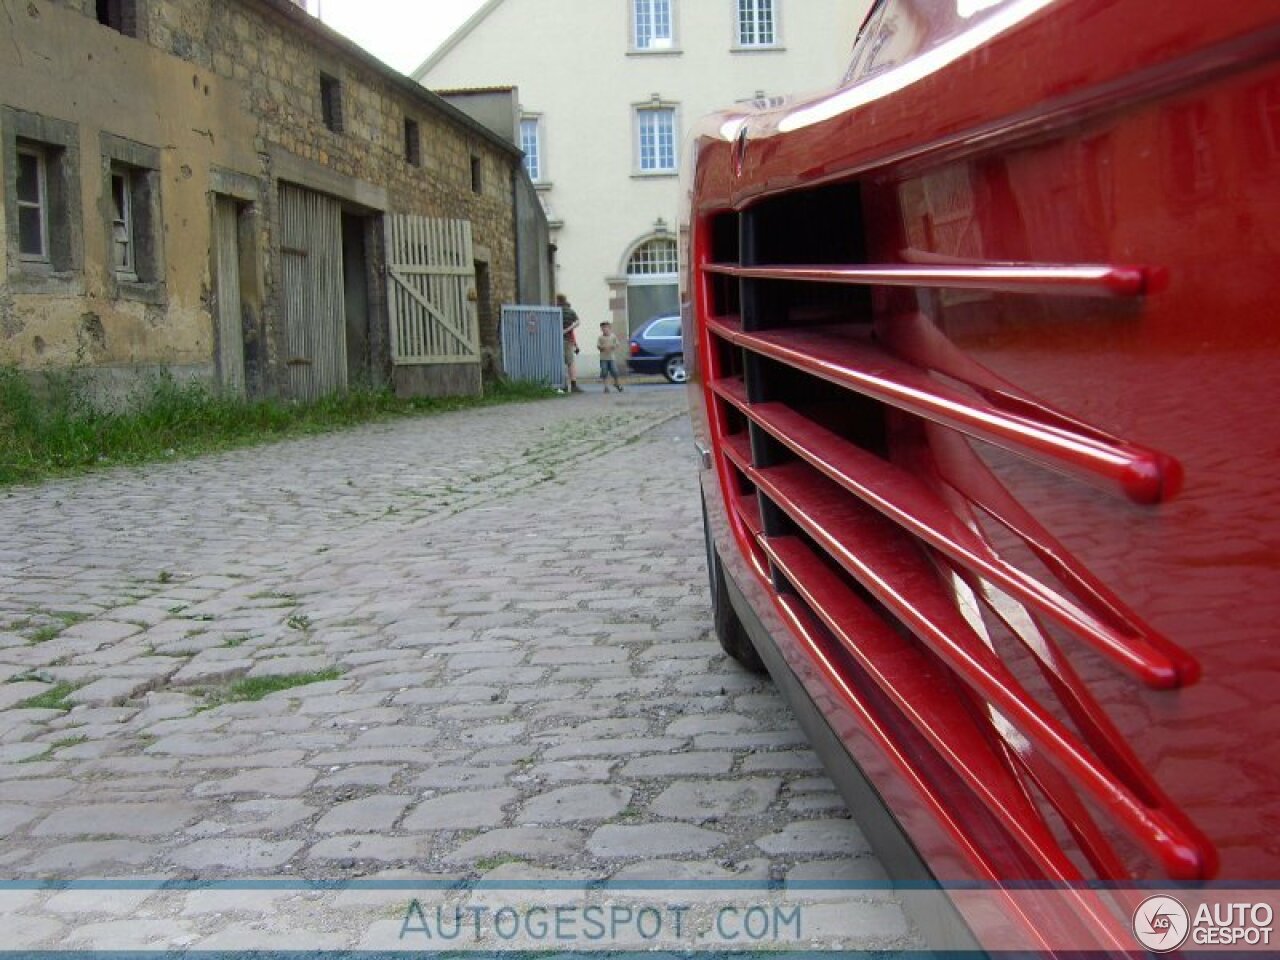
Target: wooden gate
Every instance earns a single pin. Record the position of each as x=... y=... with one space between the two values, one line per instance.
x=313 y=302
x=228 y=317
x=431 y=291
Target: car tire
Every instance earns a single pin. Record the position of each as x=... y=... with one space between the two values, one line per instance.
x=733 y=636
x=673 y=368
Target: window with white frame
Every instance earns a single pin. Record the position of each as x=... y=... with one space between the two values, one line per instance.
x=41 y=200
x=123 y=247
x=656 y=139
x=653 y=24
x=135 y=231
x=653 y=281
x=757 y=23
x=656 y=257
x=531 y=144
x=33 y=203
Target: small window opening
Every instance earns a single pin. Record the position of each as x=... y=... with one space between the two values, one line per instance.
x=121 y=15
x=412 y=143
x=331 y=102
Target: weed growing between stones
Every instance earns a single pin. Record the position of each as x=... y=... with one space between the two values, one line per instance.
x=55 y=428
x=255 y=688
x=55 y=747
x=55 y=698
x=44 y=634
x=51 y=631
x=485 y=864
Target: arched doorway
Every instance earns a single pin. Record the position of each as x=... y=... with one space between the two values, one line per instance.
x=653 y=281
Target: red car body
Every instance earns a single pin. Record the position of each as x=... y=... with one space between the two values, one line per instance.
x=985 y=351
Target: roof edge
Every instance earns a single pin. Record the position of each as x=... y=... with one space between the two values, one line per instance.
x=455 y=38
x=326 y=34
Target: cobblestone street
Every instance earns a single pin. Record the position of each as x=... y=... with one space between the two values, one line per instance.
x=484 y=675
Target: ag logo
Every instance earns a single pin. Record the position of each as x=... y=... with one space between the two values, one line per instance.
x=1161 y=924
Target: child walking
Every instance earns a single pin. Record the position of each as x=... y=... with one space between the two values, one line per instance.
x=607 y=345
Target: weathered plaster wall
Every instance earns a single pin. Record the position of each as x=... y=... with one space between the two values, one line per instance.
x=105 y=82
x=231 y=87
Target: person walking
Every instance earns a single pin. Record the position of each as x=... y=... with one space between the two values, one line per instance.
x=607 y=345
x=569 y=326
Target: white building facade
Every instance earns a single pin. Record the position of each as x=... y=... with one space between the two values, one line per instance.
x=606 y=90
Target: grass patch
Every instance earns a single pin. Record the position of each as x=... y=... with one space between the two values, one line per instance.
x=55 y=698
x=485 y=864
x=45 y=634
x=631 y=814
x=57 y=430
x=51 y=631
x=54 y=747
x=255 y=688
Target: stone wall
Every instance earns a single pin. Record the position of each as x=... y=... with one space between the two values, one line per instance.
x=235 y=85
x=277 y=54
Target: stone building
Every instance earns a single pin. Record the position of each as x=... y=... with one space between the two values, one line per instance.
x=234 y=193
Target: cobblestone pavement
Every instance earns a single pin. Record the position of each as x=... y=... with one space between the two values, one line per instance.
x=489 y=682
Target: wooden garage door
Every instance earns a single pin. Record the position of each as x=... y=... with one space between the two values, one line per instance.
x=312 y=298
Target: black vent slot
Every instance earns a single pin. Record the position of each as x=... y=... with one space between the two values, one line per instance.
x=817 y=227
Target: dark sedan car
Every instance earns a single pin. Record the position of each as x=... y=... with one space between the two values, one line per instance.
x=658 y=347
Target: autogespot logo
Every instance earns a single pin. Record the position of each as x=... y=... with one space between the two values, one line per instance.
x=1161 y=924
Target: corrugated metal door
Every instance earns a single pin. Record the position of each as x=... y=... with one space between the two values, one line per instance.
x=313 y=300
x=431 y=291
x=226 y=283
x=533 y=344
